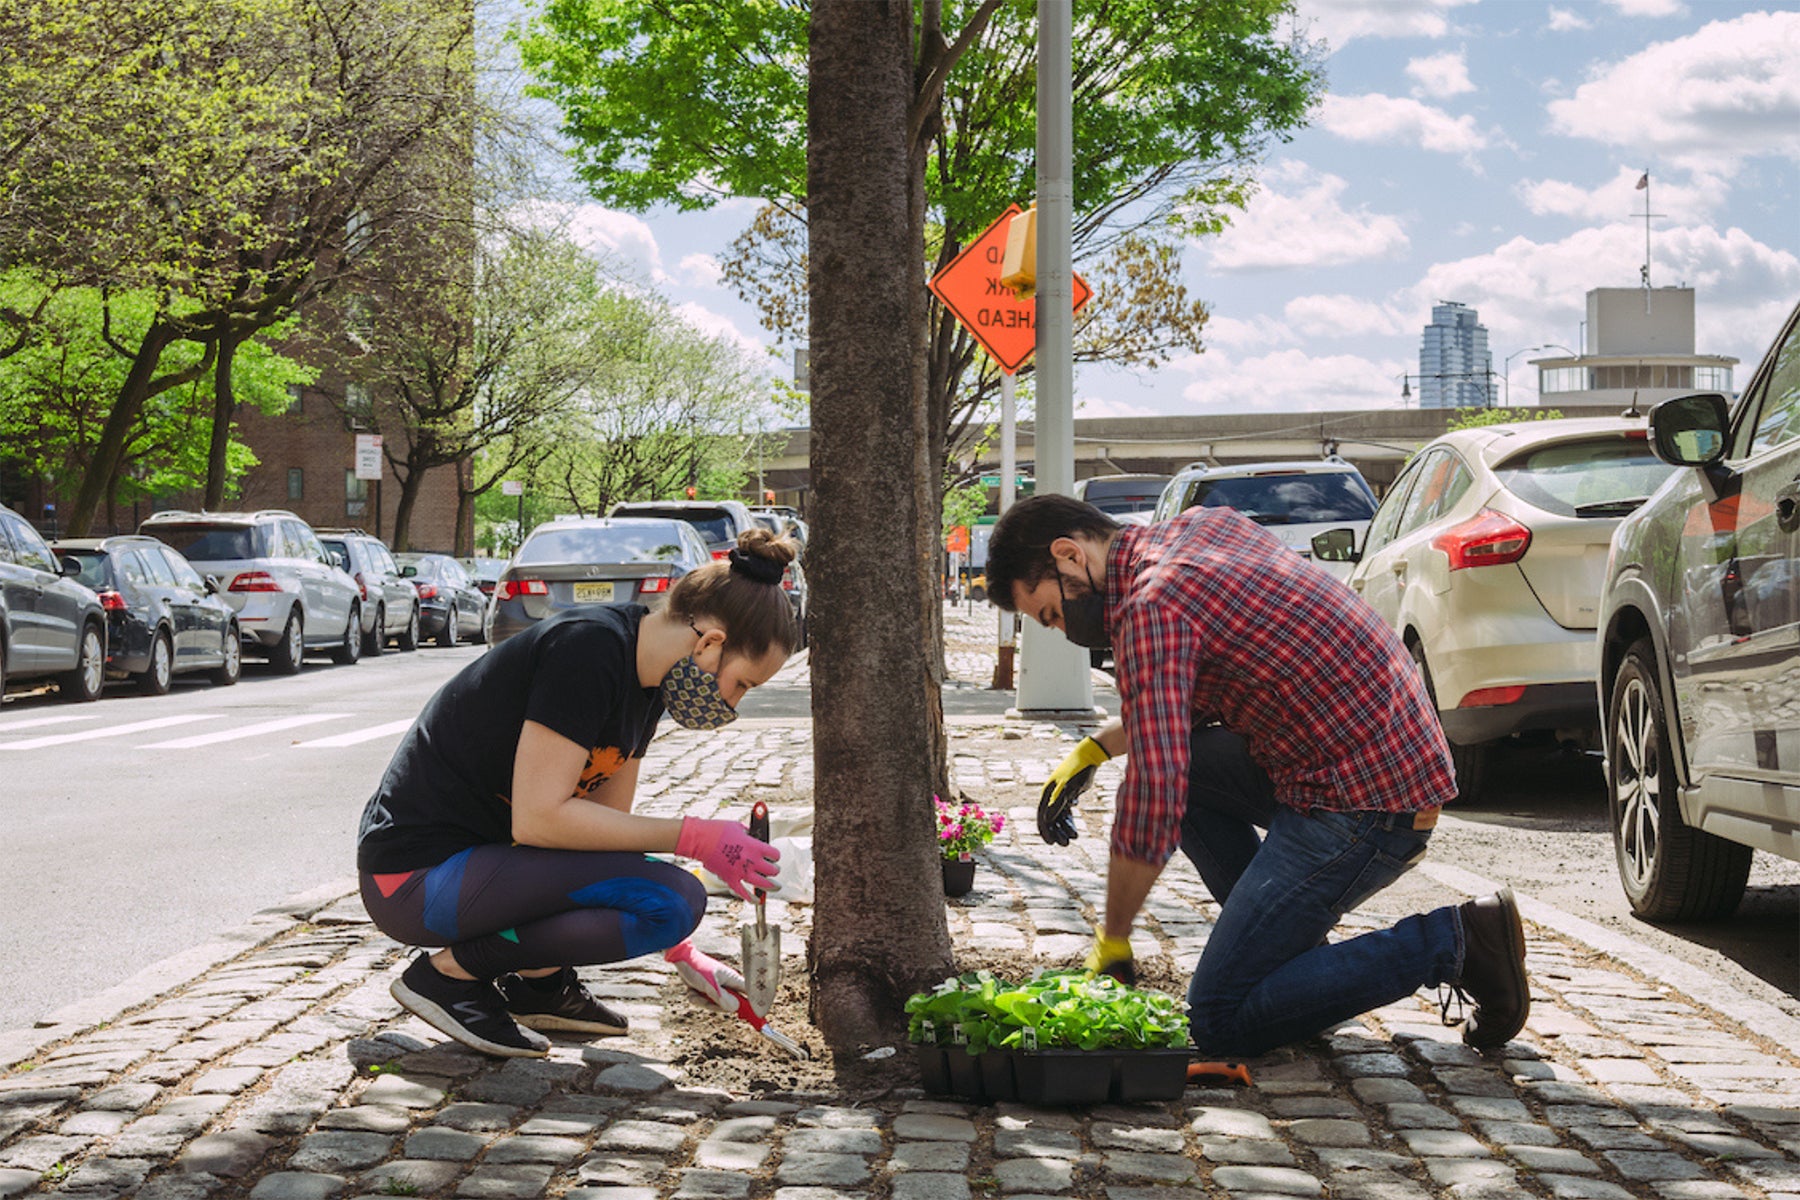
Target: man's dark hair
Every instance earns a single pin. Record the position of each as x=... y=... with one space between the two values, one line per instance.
x=1019 y=550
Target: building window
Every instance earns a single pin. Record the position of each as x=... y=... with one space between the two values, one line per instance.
x=359 y=321
x=357 y=231
x=356 y=495
x=296 y=399
x=359 y=407
x=1713 y=379
x=296 y=483
x=1562 y=379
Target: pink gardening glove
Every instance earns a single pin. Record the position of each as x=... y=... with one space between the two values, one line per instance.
x=713 y=982
x=728 y=851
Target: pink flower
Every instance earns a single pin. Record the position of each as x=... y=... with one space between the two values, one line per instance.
x=999 y=823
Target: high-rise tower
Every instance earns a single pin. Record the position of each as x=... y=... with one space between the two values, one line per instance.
x=1455 y=368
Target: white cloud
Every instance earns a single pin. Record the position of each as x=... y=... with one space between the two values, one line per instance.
x=1322 y=316
x=700 y=270
x=1649 y=8
x=1728 y=91
x=604 y=232
x=718 y=325
x=1292 y=381
x=1299 y=220
x=1617 y=198
x=1341 y=21
x=1441 y=75
x=1563 y=20
x=1231 y=333
x=1378 y=118
x=1100 y=406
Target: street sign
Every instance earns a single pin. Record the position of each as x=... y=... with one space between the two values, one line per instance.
x=512 y=487
x=970 y=288
x=368 y=456
x=958 y=541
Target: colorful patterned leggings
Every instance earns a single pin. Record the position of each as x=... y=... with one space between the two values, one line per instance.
x=512 y=908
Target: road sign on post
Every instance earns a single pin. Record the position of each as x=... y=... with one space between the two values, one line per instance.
x=368 y=456
x=970 y=288
x=512 y=487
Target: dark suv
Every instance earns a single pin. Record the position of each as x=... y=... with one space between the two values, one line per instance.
x=1700 y=649
x=50 y=625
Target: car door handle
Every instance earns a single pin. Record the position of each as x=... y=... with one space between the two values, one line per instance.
x=1399 y=567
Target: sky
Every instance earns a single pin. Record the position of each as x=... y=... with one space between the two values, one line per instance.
x=1482 y=151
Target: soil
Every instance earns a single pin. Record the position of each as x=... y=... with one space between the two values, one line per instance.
x=721 y=1053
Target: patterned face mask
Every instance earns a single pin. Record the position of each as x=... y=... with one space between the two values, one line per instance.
x=690 y=694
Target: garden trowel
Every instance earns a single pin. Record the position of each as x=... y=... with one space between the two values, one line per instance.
x=761 y=941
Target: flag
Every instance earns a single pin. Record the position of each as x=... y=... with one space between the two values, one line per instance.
x=1643 y=181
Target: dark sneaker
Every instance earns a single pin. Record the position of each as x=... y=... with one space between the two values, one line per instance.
x=470 y=1010
x=1493 y=974
x=559 y=1002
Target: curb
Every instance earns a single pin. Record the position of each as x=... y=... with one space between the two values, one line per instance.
x=170 y=974
x=1757 y=1017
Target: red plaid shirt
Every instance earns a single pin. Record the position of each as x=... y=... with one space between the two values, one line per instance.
x=1214 y=620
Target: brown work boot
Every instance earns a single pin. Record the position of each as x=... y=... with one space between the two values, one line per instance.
x=1493 y=973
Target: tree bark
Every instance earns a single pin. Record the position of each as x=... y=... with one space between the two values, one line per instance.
x=224 y=402
x=403 y=510
x=879 y=932
x=104 y=464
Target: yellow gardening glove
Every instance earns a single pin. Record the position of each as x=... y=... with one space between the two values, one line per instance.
x=1056 y=806
x=1112 y=956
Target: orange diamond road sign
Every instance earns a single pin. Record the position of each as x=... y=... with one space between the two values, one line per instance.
x=970 y=288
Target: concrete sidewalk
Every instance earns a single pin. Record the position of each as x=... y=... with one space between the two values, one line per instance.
x=274 y=1064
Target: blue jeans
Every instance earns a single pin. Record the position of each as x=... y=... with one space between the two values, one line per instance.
x=1267 y=976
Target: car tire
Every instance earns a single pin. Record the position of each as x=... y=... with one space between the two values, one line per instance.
x=449 y=635
x=487 y=625
x=227 y=672
x=480 y=636
x=350 y=649
x=375 y=641
x=1472 y=761
x=409 y=637
x=1670 y=870
x=160 y=674
x=289 y=654
x=89 y=676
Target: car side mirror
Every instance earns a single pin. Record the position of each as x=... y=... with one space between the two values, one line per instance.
x=69 y=566
x=1335 y=545
x=213 y=586
x=338 y=560
x=1689 y=431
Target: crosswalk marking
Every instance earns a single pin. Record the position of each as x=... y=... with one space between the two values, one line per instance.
x=244 y=731
x=360 y=735
x=88 y=735
x=60 y=719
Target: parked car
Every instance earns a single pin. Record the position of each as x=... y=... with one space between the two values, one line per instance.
x=718 y=522
x=390 y=604
x=484 y=571
x=51 y=625
x=162 y=617
x=1120 y=496
x=450 y=605
x=1293 y=500
x=596 y=560
x=1699 y=649
x=1487 y=557
x=289 y=595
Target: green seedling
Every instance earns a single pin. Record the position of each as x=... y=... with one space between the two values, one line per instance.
x=1056 y=1010
x=395 y=1186
x=52 y=1174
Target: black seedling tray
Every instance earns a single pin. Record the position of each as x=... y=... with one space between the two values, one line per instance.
x=1053 y=1078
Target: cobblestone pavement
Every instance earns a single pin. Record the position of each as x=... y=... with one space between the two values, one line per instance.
x=285 y=1071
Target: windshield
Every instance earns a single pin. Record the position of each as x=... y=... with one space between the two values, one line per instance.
x=212 y=543
x=1572 y=475
x=417 y=568
x=93 y=567
x=1120 y=505
x=713 y=527
x=1299 y=498
x=618 y=544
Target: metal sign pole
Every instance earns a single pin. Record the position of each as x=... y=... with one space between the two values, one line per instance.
x=1009 y=471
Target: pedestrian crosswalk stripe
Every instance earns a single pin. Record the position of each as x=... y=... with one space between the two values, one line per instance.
x=244 y=731
x=88 y=735
x=360 y=735
x=59 y=719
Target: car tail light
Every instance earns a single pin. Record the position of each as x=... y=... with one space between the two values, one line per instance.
x=1482 y=697
x=361 y=585
x=427 y=590
x=1486 y=539
x=112 y=602
x=787 y=583
x=512 y=589
x=653 y=585
x=254 y=581
x=721 y=554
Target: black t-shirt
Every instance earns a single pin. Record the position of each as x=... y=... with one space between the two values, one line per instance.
x=447 y=786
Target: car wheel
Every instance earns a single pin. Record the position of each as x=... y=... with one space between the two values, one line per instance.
x=487 y=625
x=376 y=639
x=1671 y=871
x=409 y=637
x=84 y=682
x=450 y=635
x=289 y=654
x=227 y=672
x=156 y=678
x=480 y=636
x=350 y=649
x=1471 y=762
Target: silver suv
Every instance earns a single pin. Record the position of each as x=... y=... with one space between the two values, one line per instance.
x=390 y=604
x=289 y=595
x=1292 y=500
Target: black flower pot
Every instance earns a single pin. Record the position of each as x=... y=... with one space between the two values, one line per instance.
x=959 y=876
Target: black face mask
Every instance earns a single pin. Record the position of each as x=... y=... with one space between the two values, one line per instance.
x=1084 y=617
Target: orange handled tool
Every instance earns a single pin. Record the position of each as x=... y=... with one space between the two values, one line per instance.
x=1221 y=1072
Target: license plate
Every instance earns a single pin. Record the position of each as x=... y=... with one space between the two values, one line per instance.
x=593 y=593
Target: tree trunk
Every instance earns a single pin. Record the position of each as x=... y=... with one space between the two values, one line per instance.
x=403 y=511
x=104 y=464
x=223 y=405
x=879 y=932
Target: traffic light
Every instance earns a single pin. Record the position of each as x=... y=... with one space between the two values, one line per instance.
x=691 y=491
x=768 y=495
